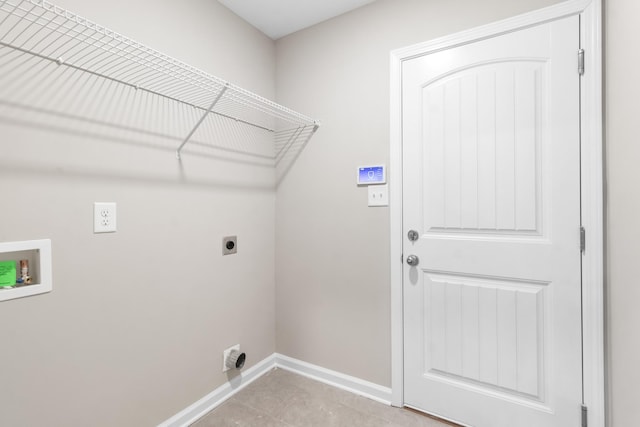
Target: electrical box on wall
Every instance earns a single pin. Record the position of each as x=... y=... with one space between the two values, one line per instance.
x=229 y=245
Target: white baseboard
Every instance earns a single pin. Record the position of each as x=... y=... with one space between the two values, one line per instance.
x=354 y=385
x=214 y=399
x=345 y=382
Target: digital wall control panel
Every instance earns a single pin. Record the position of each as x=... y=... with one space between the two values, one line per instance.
x=372 y=175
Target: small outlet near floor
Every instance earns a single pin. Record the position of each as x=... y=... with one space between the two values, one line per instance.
x=104 y=217
x=226 y=354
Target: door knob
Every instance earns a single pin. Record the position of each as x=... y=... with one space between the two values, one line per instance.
x=413 y=260
x=413 y=235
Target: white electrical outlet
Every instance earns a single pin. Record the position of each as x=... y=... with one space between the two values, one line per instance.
x=378 y=195
x=104 y=217
x=225 y=356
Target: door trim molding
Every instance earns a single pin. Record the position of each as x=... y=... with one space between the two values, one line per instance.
x=590 y=12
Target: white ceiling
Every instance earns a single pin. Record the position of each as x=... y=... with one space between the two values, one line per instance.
x=277 y=18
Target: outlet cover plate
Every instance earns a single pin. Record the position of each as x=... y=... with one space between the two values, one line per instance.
x=378 y=195
x=104 y=217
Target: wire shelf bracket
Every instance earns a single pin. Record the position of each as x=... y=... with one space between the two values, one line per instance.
x=204 y=116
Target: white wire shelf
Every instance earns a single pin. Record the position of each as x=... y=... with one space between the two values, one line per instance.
x=54 y=61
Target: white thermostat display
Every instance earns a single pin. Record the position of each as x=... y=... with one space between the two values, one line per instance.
x=369 y=175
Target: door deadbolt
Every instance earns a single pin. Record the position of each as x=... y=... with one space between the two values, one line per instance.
x=413 y=235
x=413 y=260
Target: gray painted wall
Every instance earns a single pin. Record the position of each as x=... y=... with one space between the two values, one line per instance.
x=134 y=329
x=332 y=256
x=332 y=272
x=623 y=209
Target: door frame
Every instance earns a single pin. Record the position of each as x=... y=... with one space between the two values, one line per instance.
x=592 y=195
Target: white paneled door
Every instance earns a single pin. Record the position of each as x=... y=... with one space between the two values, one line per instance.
x=491 y=186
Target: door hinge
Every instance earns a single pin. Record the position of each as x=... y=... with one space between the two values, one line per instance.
x=584 y=416
x=581 y=61
x=583 y=239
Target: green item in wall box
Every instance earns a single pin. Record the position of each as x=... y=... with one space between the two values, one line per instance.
x=7 y=273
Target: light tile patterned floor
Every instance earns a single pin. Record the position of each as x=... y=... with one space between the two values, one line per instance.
x=283 y=399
